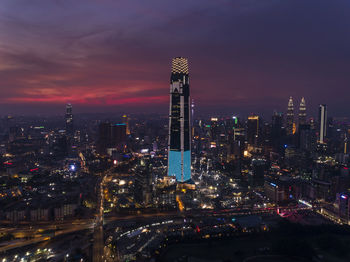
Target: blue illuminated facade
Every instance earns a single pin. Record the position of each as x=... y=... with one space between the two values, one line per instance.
x=179 y=148
x=174 y=164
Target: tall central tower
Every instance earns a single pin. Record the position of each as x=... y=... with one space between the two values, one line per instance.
x=179 y=145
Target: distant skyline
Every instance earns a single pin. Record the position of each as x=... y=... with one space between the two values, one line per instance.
x=245 y=56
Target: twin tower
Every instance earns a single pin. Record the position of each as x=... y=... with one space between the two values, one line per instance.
x=179 y=143
x=290 y=123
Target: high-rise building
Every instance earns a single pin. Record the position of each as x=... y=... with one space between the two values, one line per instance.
x=69 y=120
x=345 y=144
x=306 y=137
x=192 y=118
x=290 y=117
x=253 y=130
x=259 y=167
x=302 y=112
x=111 y=136
x=322 y=120
x=343 y=202
x=118 y=134
x=277 y=131
x=179 y=147
x=104 y=134
x=126 y=122
x=214 y=128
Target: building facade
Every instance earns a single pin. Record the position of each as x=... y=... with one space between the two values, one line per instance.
x=290 y=117
x=179 y=143
x=69 y=120
x=322 y=119
x=253 y=130
x=302 y=112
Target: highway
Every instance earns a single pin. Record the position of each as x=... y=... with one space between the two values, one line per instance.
x=38 y=239
x=70 y=228
x=79 y=225
x=98 y=246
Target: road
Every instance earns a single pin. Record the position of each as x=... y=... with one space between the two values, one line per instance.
x=97 y=225
x=97 y=251
x=98 y=244
x=71 y=229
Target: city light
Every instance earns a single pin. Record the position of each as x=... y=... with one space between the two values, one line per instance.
x=104 y=156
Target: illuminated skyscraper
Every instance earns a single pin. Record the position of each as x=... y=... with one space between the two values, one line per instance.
x=214 y=128
x=322 y=120
x=126 y=122
x=253 y=130
x=179 y=148
x=345 y=144
x=69 y=120
x=290 y=117
x=302 y=112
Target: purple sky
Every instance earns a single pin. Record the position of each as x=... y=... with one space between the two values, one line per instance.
x=105 y=55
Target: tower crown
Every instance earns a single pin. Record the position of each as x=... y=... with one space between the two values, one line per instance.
x=179 y=65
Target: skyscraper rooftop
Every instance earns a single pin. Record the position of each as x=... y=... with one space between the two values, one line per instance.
x=179 y=65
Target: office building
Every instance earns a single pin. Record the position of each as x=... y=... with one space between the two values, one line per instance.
x=179 y=143
x=322 y=120
x=302 y=112
x=118 y=134
x=259 y=167
x=126 y=122
x=253 y=130
x=277 y=131
x=214 y=128
x=306 y=138
x=111 y=136
x=69 y=120
x=343 y=203
x=290 y=117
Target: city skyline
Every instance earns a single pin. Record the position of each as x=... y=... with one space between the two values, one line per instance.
x=174 y=130
x=54 y=63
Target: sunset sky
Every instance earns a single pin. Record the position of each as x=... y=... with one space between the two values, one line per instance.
x=104 y=55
